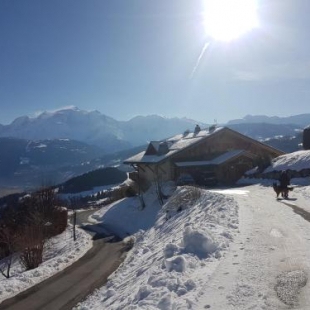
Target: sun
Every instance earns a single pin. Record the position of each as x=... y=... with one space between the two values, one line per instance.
x=227 y=20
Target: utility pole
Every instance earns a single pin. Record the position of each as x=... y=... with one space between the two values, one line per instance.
x=74 y=223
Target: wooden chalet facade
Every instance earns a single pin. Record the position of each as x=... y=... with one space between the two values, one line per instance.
x=226 y=153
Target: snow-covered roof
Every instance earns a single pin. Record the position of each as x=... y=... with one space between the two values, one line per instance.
x=216 y=161
x=175 y=145
x=293 y=161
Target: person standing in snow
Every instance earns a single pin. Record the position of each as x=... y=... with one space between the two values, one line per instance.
x=284 y=179
x=197 y=129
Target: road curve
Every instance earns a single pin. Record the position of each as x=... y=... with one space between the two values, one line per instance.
x=65 y=289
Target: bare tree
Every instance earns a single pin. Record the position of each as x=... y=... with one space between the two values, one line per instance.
x=8 y=246
x=44 y=218
x=9 y=233
x=32 y=242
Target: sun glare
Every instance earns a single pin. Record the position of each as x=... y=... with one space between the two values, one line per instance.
x=226 y=20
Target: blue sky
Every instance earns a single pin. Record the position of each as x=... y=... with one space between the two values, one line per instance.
x=137 y=57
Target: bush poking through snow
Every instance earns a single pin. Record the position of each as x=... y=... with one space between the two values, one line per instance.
x=182 y=199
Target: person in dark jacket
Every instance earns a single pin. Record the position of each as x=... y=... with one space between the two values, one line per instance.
x=284 y=181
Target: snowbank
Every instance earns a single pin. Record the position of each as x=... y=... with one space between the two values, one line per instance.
x=170 y=262
x=127 y=216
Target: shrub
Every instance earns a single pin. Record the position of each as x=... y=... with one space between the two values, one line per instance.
x=32 y=244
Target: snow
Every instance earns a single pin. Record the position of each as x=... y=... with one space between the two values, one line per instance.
x=174 y=256
x=226 y=248
x=176 y=143
x=61 y=251
x=234 y=248
x=216 y=161
x=40 y=146
x=293 y=161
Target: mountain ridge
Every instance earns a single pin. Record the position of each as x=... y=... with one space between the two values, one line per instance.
x=298 y=119
x=95 y=128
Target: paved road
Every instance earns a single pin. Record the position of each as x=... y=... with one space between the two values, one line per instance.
x=66 y=289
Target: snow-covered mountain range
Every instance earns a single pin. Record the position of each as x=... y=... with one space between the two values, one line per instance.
x=111 y=135
x=70 y=123
x=94 y=128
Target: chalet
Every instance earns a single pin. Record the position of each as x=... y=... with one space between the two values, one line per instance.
x=221 y=152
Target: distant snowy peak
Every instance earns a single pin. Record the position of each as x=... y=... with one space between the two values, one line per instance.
x=87 y=126
x=95 y=128
x=69 y=111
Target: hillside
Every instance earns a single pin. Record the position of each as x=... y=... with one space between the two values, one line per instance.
x=34 y=163
x=91 y=179
x=287 y=144
x=263 y=131
x=28 y=163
